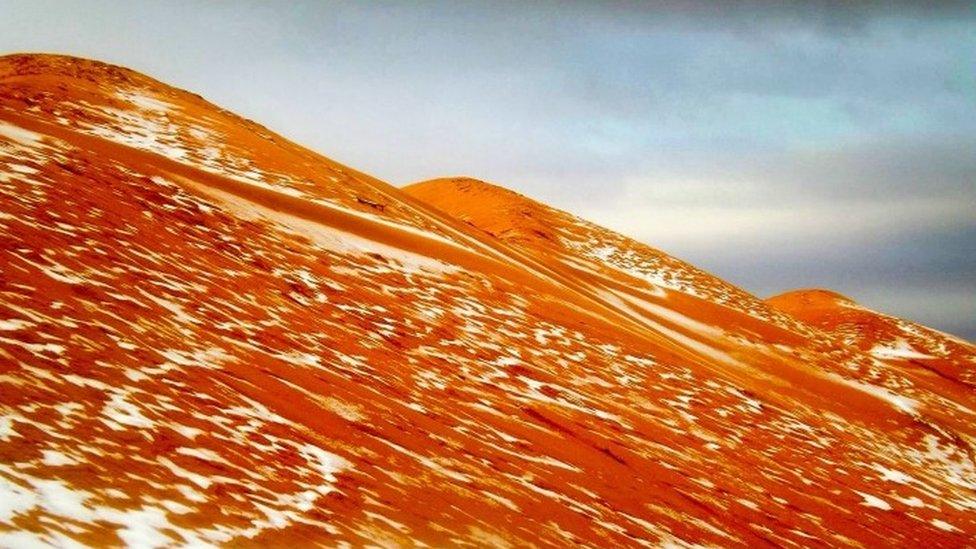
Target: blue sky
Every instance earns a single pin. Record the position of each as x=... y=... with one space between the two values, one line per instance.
x=804 y=145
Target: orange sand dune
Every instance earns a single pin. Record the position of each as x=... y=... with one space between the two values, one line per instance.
x=683 y=303
x=210 y=335
x=897 y=342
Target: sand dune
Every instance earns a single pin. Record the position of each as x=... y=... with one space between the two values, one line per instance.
x=210 y=335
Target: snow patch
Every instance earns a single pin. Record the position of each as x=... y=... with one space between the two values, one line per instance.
x=874 y=501
x=18 y=134
x=899 y=349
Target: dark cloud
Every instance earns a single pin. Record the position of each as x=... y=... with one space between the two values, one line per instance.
x=929 y=276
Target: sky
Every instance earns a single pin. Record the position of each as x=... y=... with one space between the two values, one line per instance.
x=777 y=145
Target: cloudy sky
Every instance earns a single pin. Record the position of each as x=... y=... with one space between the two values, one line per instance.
x=807 y=145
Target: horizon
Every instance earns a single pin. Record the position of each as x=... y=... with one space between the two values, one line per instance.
x=778 y=149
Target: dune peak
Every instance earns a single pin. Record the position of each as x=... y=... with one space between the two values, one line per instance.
x=811 y=297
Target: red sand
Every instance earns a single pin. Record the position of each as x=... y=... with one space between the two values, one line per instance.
x=209 y=334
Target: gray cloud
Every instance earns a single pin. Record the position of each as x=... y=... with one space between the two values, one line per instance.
x=779 y=145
